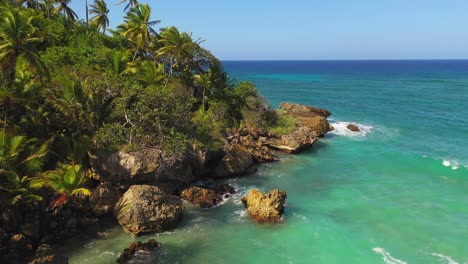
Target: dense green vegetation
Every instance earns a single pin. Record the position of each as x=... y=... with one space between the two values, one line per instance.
x=69 y=89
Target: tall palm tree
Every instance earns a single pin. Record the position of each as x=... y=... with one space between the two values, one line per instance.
x=100 y=10
x=137 y=27
x=18 y=38
x=64 y=8
x=175 y=46
x=204 y=80
x=131 y=4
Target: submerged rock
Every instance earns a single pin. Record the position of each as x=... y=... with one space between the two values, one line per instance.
x=265 y=208
x=129 y=254
x=236 y=162
x=146 y=209
x=206 y=197
x=311 y=117
x=203 y=197
x=300 y=139
x=353 y=128
x=104 y=198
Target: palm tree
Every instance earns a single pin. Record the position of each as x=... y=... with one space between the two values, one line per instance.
x=150 y=73
x=137 y=27
x=18 y=38
x=204 y=80
x=100 y=10
x=119 y=61
x=66 y=180
x=20 y=164
x=64 y=8
x=131 y=4
x=175 y=46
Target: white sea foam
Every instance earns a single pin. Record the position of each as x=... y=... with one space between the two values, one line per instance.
x=446 y=163
x=387 y=258
x=445 y=258
x=341 y=129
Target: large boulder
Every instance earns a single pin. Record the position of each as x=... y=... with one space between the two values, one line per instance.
x=265 y=208
x=144 y=166
x=236 y=162
x=300 y=139
x=147 y=209
x=104 y=198
x=311 y=117
x=203 y=197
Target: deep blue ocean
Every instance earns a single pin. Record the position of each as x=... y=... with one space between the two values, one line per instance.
x=397 y=192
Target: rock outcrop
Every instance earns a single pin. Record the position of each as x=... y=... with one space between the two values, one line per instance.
x=104 y=198
x=236 y=162
x=129 y=254
x=265 y=208
x=353 y=128
x=300 y=139
x=207 y=197
x=203 y=197
x=311 y=117
x=146 y=166
x=146 y=209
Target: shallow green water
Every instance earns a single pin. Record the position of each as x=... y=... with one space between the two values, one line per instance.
x=396 y=193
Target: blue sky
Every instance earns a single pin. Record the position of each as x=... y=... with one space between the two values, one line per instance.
x=316 y=29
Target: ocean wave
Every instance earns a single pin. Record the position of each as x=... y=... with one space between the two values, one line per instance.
x=445 y=258
x=452 y=163
x=387 y=258
x=342 y=130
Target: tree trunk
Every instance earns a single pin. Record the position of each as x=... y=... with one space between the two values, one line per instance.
x=87 y=20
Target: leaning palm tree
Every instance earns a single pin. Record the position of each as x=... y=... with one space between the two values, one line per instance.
x=131 y=4
x=175 y=46
x=100 y=10
x=18 y=38
x=64 y=8
x=137 y=27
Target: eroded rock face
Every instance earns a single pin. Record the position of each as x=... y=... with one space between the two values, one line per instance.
x=236 y=162
x=265 y=208
x=147 y=209
x=203 y=197
x=300 y=139
x=104 y=198
x=304 y=110
x=311 y=117
x=353 y=128
x=129 y=254
x=145 y=166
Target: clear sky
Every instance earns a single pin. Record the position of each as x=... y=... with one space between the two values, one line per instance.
x=316 y=29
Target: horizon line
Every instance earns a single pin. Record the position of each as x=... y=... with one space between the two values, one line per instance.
x=304 y=60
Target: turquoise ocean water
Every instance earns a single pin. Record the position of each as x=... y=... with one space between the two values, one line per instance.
x=395 y=193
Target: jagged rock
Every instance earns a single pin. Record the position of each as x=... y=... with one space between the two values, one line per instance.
x=225 y=189
x=129 y=254
x=203 y=197
x=265 y=208
x=104 y=198
x=313 y=118
x=353 y=128
x=146 y=209
x=236 y=162
x=300 y=139
x=304 y=110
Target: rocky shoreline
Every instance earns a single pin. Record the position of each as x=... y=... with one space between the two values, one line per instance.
x=146 y=190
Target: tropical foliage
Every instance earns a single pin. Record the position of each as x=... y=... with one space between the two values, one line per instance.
x=68 y=90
